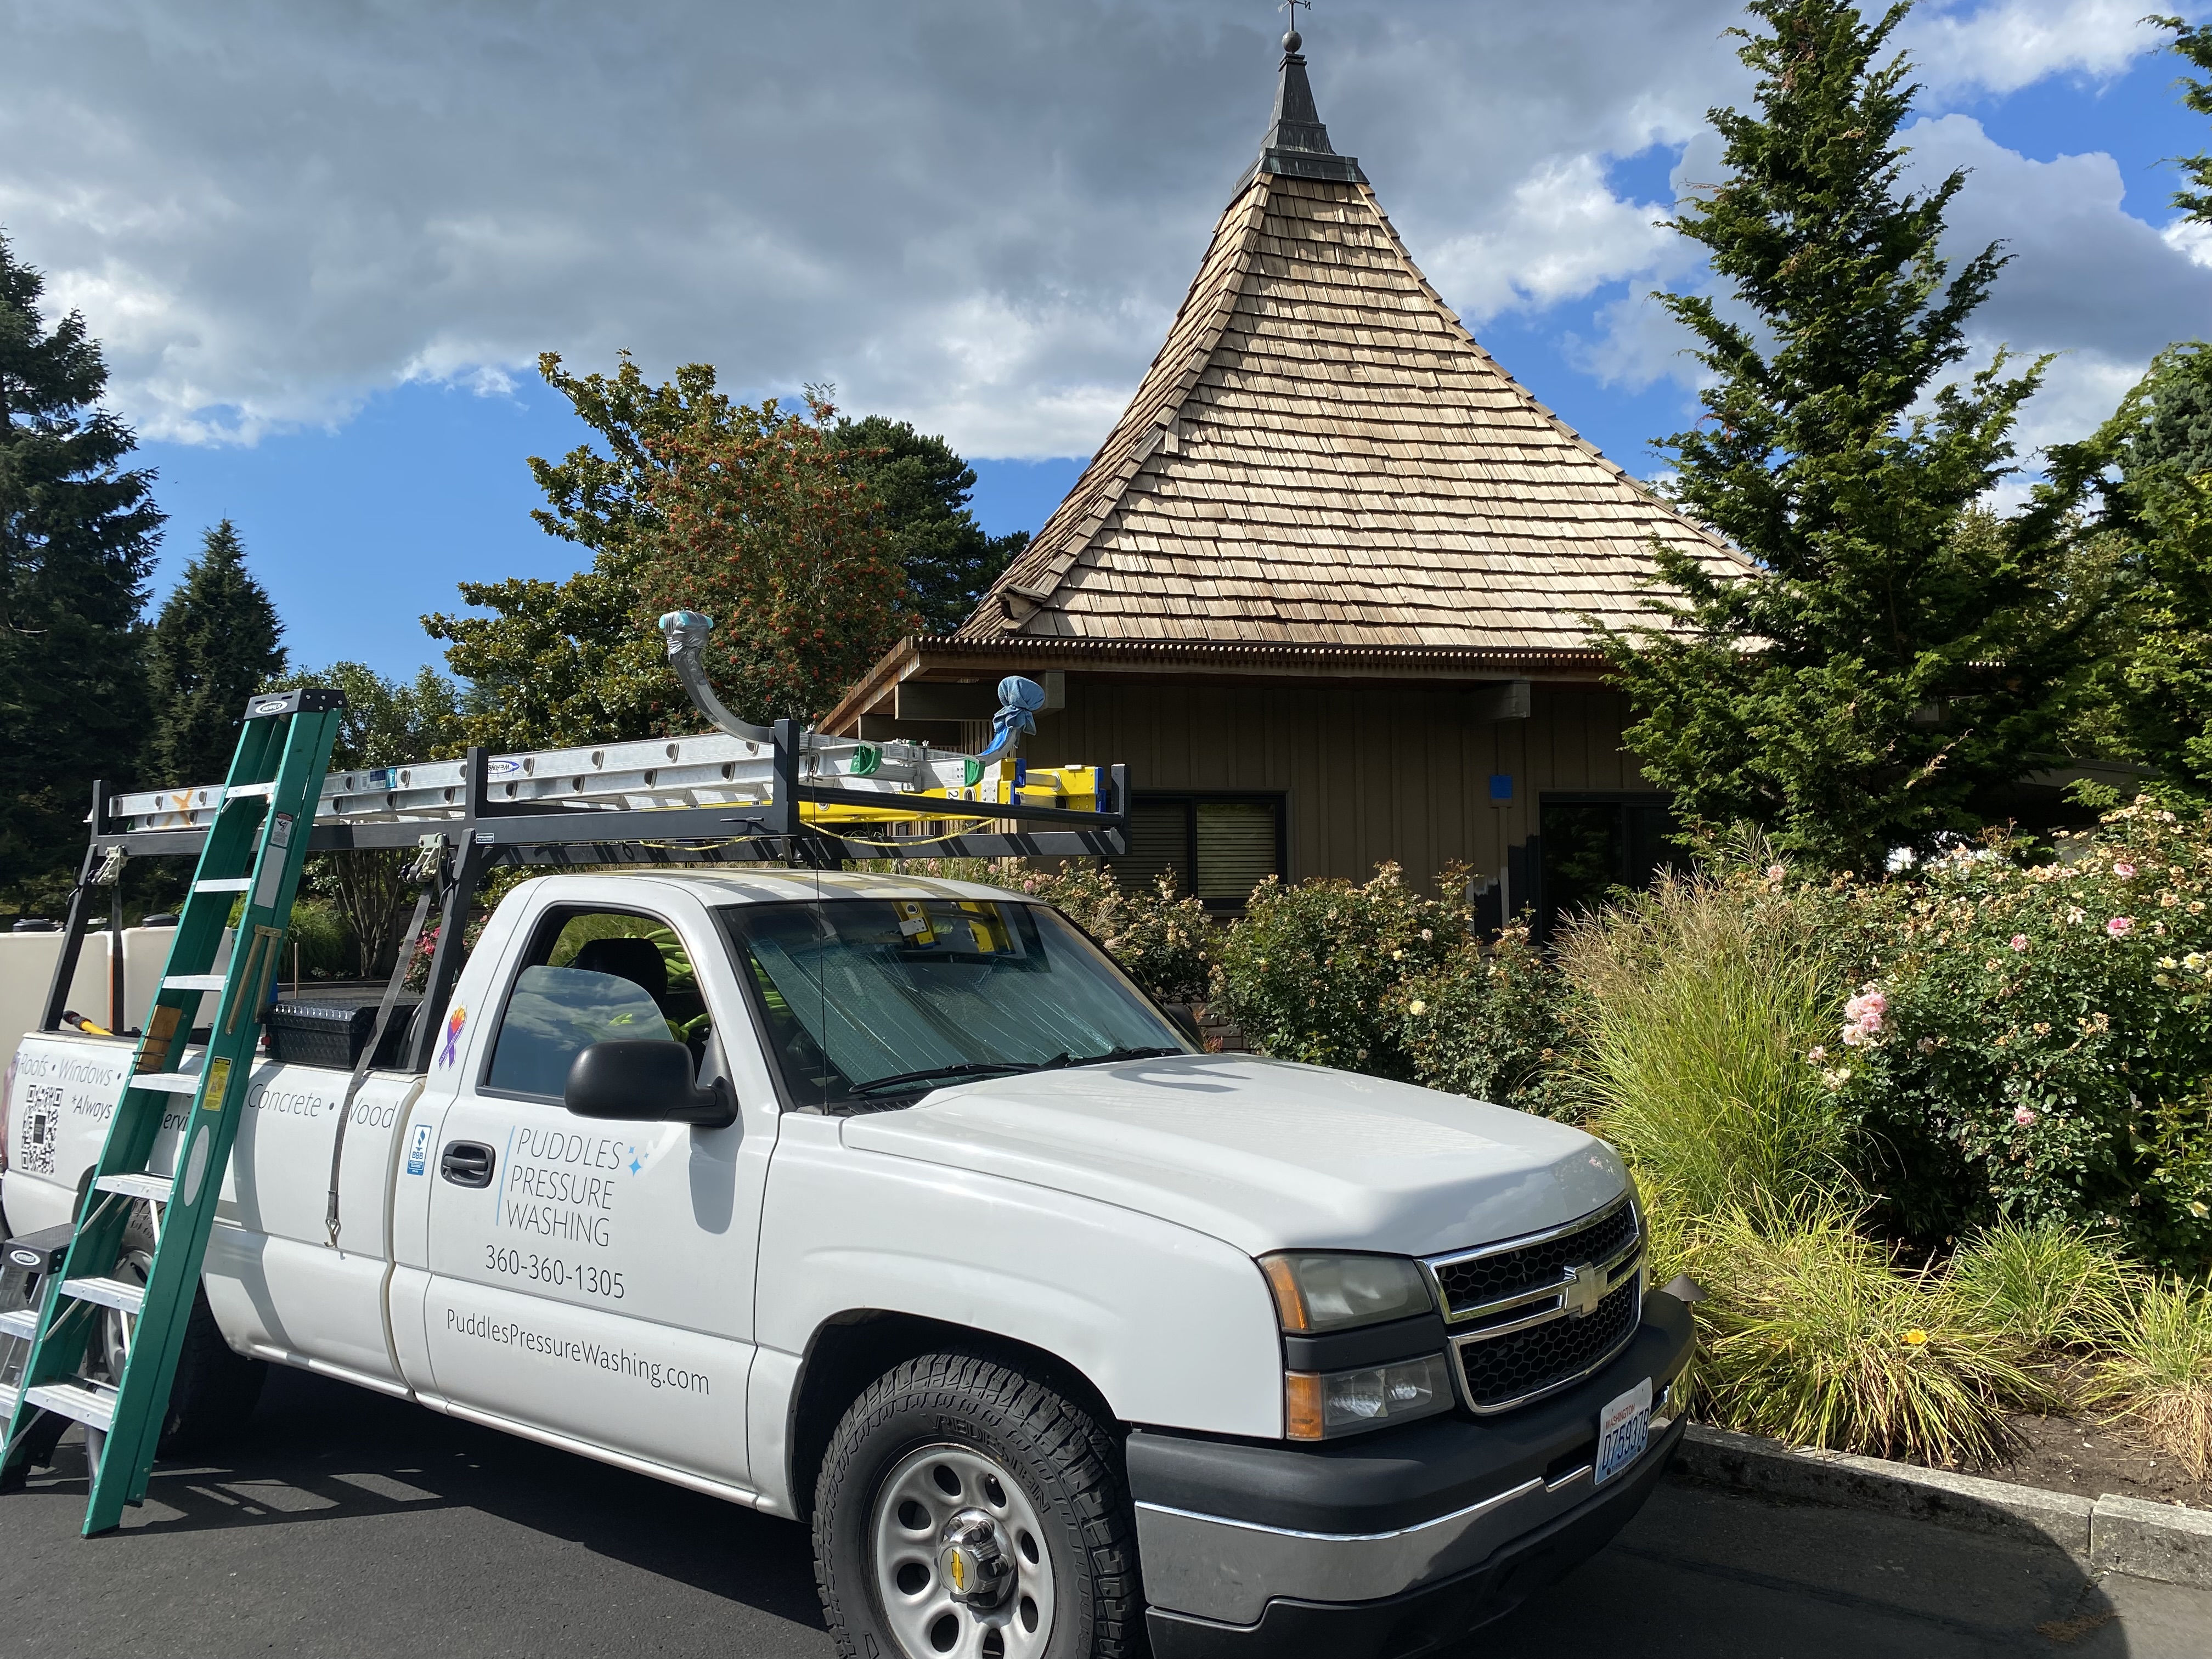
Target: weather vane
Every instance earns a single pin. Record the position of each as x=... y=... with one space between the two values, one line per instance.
x=1290 y=10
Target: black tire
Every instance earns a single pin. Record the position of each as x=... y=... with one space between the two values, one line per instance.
x=215 y=1390
x=1064 y=1462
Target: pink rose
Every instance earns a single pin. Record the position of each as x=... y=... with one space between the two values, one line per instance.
x=1865 y=1012
x=2022 y=1116
x=2124 y=870
x=2120 y=927
x=2020 y=941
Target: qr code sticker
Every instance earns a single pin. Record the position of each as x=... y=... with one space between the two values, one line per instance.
x=42 y=1122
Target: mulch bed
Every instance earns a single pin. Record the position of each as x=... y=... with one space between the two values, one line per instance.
x=2089 y=1459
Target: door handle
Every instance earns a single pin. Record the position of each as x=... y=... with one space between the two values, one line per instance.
x=466 y=1163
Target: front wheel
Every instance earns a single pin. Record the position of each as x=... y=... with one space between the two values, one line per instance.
x=966 y=1509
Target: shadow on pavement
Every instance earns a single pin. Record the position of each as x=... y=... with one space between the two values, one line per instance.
x=472 y=1542
x=1705 y=1573
x=317 y=1450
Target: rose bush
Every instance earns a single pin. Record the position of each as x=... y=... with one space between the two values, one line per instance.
x=1309 y=971
x=1486 y=1022
x=2033 y=1040
x=1161 y=941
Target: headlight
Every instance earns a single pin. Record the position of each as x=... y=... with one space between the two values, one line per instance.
x=1324 y=1408
x=1316 y=1293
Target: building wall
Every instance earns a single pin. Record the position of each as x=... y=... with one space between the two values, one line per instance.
x=1369 y=772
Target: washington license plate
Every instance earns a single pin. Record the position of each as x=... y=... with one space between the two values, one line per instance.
x=1624 y=1429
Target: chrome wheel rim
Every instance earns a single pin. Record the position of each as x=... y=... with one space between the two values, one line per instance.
x=939 y=1497
x=116 y=1326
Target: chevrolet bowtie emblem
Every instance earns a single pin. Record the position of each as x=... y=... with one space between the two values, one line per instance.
x=1584 y=1291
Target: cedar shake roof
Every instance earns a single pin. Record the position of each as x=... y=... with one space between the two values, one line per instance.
x=1322 y=455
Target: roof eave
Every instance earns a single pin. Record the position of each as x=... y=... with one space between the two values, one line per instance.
x=1218 y=660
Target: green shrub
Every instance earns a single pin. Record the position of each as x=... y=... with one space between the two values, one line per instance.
x=2044 y=1045
x=1701 y=1015
x=325 y=943
x=2159 y=1375
x=1811 y=1336
x=1486 y=1022
x=2047 y=1286
x=1308 y=971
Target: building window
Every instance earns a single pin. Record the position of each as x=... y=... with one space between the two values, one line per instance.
x=1588 y=844
x=1220 y=846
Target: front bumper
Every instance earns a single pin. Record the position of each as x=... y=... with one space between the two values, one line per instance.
x=1391 y=1543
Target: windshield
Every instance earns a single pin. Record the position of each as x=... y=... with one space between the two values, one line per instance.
x=872 y=1001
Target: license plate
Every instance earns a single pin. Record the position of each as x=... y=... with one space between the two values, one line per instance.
x=1624 y=1429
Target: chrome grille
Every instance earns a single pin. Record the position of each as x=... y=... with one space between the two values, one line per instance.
x=1538 y=1358
x=1535 y=1314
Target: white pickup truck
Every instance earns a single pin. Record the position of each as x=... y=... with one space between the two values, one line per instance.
x=891 y=1205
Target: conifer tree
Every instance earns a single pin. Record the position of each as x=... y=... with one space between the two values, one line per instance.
x=77 y=533
x=1888 y=660
x=2158 y=515
x=922 y=490
x=214 y=645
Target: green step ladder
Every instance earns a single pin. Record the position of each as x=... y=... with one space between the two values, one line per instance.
x=254 y=851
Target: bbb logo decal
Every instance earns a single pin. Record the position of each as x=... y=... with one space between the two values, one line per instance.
x=418 y=1149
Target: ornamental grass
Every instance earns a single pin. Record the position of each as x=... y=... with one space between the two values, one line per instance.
x=1812 y=1336
x=1696 y=1005
x=2047 y=1287
x=2158 y=1375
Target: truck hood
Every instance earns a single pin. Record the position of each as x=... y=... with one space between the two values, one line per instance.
x=1263 y=1154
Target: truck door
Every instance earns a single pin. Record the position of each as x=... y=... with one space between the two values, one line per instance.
x=589 y=1278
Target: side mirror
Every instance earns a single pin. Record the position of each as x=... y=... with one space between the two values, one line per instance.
x=644 y=1083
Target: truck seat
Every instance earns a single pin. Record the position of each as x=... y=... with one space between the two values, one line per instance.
x=637 y=960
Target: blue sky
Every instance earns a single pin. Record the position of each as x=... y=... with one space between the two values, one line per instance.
x=323 y=250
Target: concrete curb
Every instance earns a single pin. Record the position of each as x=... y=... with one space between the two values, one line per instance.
x=2119 y=1534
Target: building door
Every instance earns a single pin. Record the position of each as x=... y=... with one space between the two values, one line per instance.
x=1589 y=843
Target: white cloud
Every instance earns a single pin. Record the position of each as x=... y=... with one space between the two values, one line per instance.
x=2009 y=44
x=978 y=215
x=1563 y=235
x=2189 y=238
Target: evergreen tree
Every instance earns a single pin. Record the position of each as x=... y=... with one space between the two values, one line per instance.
x=77 y=533
x=1888 y=660
x=921 y=489
x=2195 y=44
x=2156 y=705
x=386 y=723
x=214 y=645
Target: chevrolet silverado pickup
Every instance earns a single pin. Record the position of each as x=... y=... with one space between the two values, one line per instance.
x=891 y=1206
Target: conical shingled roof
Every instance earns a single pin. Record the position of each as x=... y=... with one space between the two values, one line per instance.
x=1320 y=454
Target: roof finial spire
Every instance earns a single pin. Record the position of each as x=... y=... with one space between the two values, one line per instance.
x=1296 y=142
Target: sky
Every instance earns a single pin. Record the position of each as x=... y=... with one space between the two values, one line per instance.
x=323 y=245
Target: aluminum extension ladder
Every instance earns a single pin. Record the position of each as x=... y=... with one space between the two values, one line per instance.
x=257 y=842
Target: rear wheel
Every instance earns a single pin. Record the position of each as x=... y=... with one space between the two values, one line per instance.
x=966 y=1509
x=215 y=1390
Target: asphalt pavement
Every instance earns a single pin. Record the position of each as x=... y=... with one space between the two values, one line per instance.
x=351 y=1524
